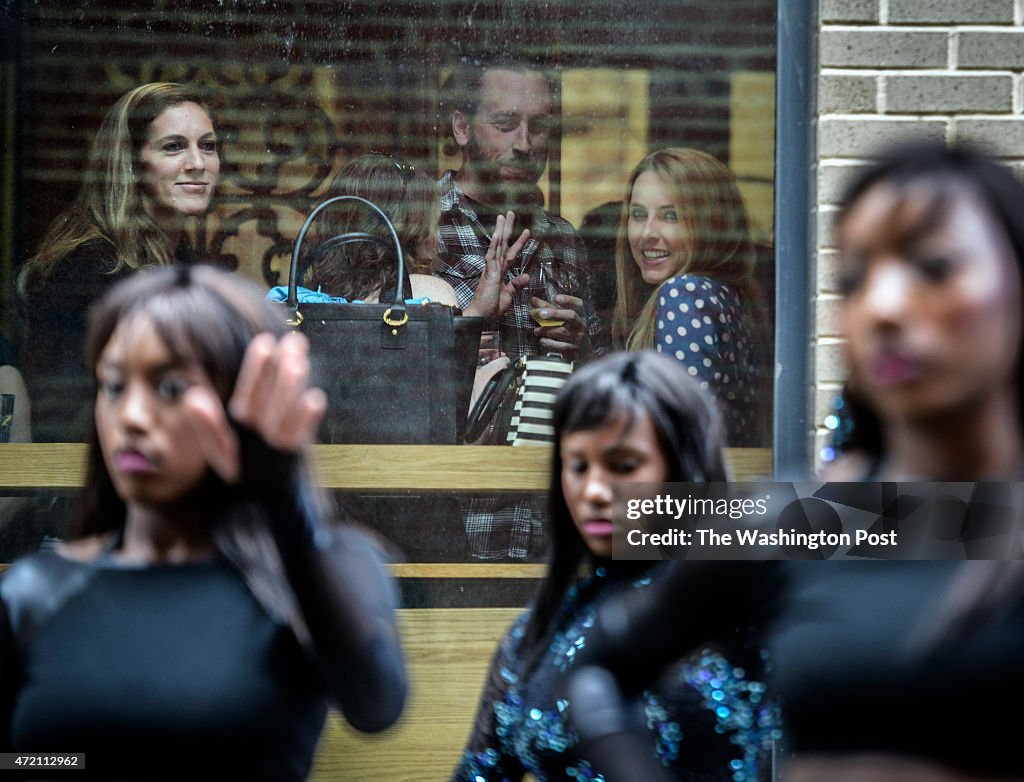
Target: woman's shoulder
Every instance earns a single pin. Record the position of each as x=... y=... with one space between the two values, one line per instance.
x=696 y=285
x=37 y=581
x=427 y=286
x=511 y=641
x=97 y=255
x=36 y=587
x=88 y=265
x=515 y=632
x=693 y=295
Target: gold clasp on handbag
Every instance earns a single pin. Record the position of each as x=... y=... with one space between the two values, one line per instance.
x=296 y=320
x=402 y=322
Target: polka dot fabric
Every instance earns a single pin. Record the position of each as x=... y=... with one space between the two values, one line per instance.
x=701 y=323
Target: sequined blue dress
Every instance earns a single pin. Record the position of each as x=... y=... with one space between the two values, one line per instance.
x=708 y=717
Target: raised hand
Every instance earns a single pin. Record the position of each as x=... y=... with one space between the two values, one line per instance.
x=272 y=397
x=494 y=296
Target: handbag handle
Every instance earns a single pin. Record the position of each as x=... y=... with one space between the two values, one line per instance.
x=396 y=314
x=487 y=403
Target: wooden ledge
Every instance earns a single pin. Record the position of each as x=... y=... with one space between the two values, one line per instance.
x=361 y=467
x=468 y=570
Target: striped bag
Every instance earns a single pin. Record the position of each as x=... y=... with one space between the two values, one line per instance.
x=542 y=378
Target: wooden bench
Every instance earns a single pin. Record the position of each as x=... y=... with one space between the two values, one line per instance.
x=448 y=652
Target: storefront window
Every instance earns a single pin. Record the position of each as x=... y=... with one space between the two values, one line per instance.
x=298 y=89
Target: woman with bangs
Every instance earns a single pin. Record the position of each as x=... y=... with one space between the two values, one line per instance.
x=685 y=284
x=625 y=419
x=205 y=612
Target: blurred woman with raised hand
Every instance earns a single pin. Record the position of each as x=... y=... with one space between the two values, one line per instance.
x=205 y=613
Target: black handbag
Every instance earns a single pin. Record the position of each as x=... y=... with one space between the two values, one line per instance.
x=393 y=373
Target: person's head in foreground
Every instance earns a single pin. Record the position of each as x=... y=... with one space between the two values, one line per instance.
x=626 y=418
x=931 y=241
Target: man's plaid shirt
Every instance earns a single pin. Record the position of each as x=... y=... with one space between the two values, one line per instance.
x=503 y=528
x=464 y=241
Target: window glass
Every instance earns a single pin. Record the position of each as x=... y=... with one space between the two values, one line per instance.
x=297 y=89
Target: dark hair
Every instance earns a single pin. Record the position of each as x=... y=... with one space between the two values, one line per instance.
x=407 y=197
x=461 y=90
x=206 y=317
x=622 y=386
x=598 y=232
x=943 y=168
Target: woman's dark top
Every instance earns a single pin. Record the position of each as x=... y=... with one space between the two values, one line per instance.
x=704 y=718
x=55 y=314
x=847 y=674
x=851 y=681
x=169 y=672
x=166 y=672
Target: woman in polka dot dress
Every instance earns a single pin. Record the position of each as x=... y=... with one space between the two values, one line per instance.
x=684 y=278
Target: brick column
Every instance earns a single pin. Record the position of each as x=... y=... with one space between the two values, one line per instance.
x=889 y=69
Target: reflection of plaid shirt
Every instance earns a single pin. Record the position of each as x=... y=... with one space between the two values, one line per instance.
x=464 y=242
x=499 y=528
x=507 y=528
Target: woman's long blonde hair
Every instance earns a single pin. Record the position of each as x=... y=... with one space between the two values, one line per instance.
x=714 y=220
x=110 y=203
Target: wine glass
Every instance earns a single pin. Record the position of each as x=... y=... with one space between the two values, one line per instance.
x=556 y=281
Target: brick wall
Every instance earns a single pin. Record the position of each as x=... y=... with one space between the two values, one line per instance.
x=946 y=69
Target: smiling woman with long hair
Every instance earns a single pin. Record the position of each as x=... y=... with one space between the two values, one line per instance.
x=685 y=286
x=153 y=165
